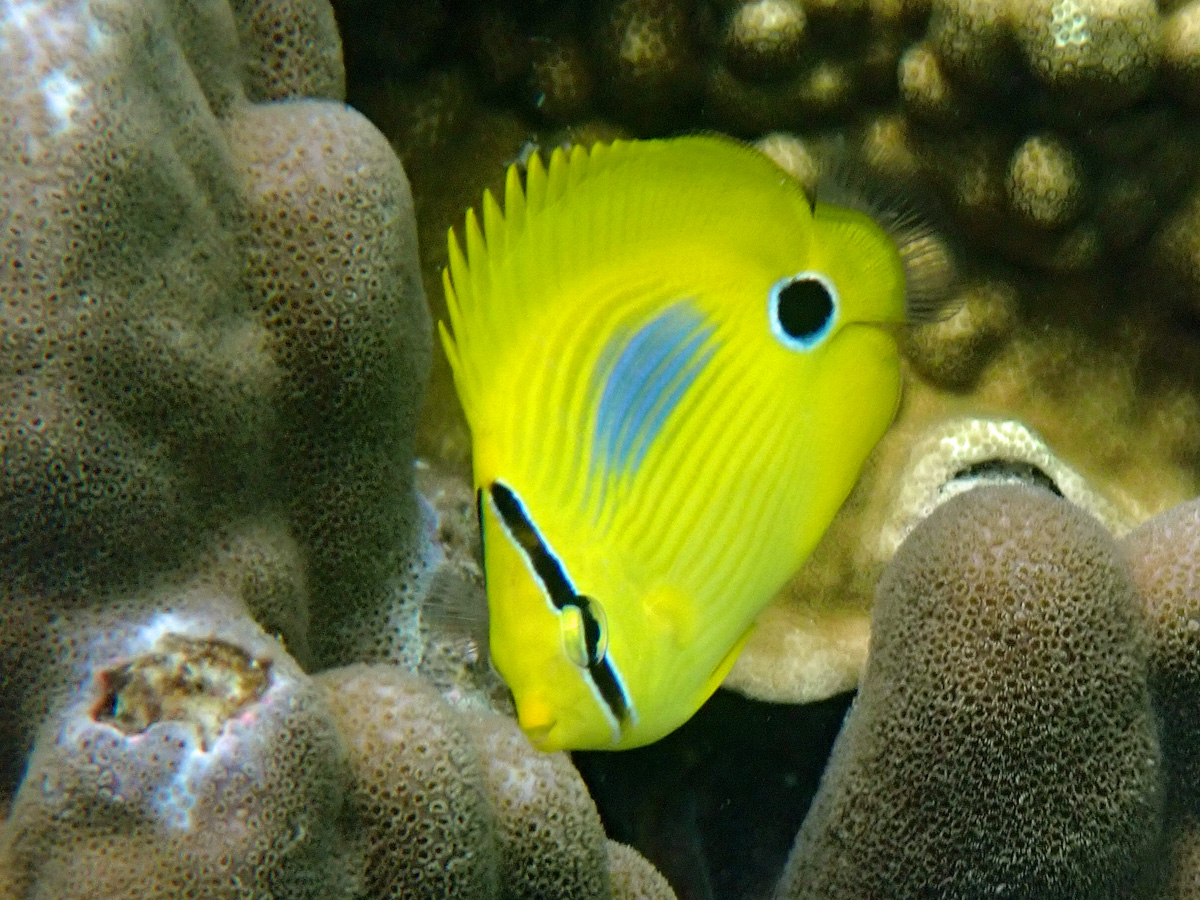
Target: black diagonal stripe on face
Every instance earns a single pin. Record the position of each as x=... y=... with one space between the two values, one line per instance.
x=549 y=570
x=479 y=520
x=562 y=594
x=610 y=689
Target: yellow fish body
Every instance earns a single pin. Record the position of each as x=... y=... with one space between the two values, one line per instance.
x=673 y=366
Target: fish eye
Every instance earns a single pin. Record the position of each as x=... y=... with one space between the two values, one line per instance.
x=802 y=308
x=584 y=631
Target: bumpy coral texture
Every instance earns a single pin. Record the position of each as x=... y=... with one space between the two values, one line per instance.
x=217 y=334
x=1182 y=862
x=1003 y=739
x=419 y=788
x=216 y=342
x=552 y=843
x=1106 y=49
x=191 y=759
x=1164 y=557
x=633 y=878
x=351 y=357
x=291 y=49
x=457 y=803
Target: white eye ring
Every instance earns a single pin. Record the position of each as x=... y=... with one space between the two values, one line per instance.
x=806 y=331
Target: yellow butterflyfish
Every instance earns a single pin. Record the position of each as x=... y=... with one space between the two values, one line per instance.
x=673 y=365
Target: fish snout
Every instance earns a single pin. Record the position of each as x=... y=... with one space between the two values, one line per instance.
x=537 y=719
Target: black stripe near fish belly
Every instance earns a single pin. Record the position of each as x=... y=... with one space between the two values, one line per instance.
x=562 y=594
x=610 y=689
x=479 y=521
x=547 y=566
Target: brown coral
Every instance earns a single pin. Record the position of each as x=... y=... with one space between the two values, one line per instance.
x=326 y=283
x=927 y=93
x=561 y=82
x=290 y=50
x=551 y=841
x=214 y=305
x=1181 y=52
x=647 y=65
x=633 y=878
x=419 y=791
x=1164 y=557
x=1105 y=52
x=457 y=803
x=1045 y=181
x=763 y=38
x=218 y=341
x=1004 y=712
x=953 y=351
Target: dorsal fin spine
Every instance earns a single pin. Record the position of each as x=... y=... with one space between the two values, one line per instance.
x=477 y=259
x=514 y=204
x=557 y=180
x=535 y=184
x=494 y=232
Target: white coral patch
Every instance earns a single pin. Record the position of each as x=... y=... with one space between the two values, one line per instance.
x=41 y=44
x=64 y=96
x=40 y=27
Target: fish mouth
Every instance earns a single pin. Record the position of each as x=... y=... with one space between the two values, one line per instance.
x=538 y=721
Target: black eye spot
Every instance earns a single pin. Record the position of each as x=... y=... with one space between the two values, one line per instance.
x=802 y=309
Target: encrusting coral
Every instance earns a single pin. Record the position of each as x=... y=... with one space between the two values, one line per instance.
x=1003 y=726
x=213 y=305
x=1164 y=557
x=217 y=334
x=634 y=878
x=419 y=790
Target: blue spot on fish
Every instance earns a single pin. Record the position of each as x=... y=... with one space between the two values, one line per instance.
x=645 y=379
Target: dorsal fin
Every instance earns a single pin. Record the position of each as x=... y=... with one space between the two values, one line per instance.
x=516 y=259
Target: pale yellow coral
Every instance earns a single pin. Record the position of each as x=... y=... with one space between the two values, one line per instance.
x=633 y=878
x=1104 y=52
x=1045 y=181
x=962 y=454
x=924 y=88
x=764 y=37
x=1181 y=52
